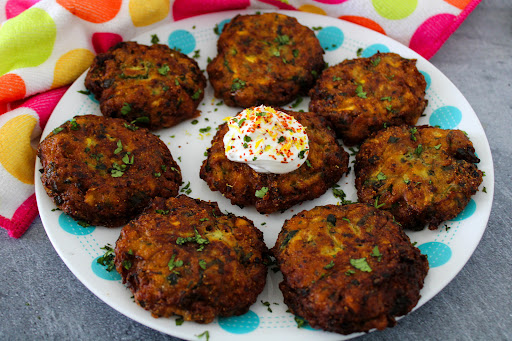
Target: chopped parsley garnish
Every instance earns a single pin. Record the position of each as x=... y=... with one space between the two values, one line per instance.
x=361 y=264
x=387 y=98
x=195 y=122
x=340 y=194
x=164 y=70
x=202 y=264
x=360 y=92
x=336 y=78
x=131 y=127
x=407 y=181
x=162 y=212
x=376 y=253
x=141 y=119
x=359 y=52
x=174 y=263
x=74 y=125
x=297 y=102
x=376 y=204
x=376 y=61
x=267 y=304
x=157 y=174
x=205 y=334
x=260 y=193
x=381 y=176
x=281 y=139
x=205 y=130
x=419 y=150
x=187 y=190
x=84 y=92
x=438 y=146
x=195 y=239
x=196 y=54
x=127 y=160
x=108 y=258
x=83 y=223
x=300 y=322
x=346 y=219
x=154 y=39
x=127 y=264
x=117 y=170
x=413 y=131
x=179 y=320
x=350 y=272
x=176 y=82
x=309 y=164
x=314 y=73
x=484 y=189
x=57 y=130
x=330 y=265
x=197 y=94
x=237 y=84
x=119 y=148
x=126 y=108
x=282 y=39
x=247 y=138
x=302 y=152
x=295 y=53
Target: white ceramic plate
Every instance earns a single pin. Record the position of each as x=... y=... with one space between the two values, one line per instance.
x=448 y=248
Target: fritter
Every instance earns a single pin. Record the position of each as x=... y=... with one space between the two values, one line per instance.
x=364 y=95
x=103 y=171
x=268 y=192
x=348 y=268
x=150 y=86
x=183 y=256
x=422 y=175
x=265 y=58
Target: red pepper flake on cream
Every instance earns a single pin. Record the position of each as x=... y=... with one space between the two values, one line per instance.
x=268 y=140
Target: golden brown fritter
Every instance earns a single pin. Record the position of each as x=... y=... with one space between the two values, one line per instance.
x=104 y=171
x=265 y=59
x=268 y=192
x=422 y=175
x=150 y=86
x=364 y=95
x=348 y=268
x=183 y=256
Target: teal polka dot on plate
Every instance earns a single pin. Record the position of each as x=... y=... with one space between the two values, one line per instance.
x=182 y=40
x=427 y=79
x=221 y=25
x=92 y=98
x=467 y=212
x=69 y=225
x=240 y=324
x=446 y=117
x=373 y=49
x=330 y=38
x=101 y=271
x=438 y=253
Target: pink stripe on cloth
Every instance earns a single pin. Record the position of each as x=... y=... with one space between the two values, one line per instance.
x=21 y=219
x=43 y=104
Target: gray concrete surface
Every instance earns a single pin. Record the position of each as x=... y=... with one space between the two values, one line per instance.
x=41 y=299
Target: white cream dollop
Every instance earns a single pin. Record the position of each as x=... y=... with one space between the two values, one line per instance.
x=268 y=140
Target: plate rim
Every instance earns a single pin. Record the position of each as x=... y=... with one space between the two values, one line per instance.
x=136 y=315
